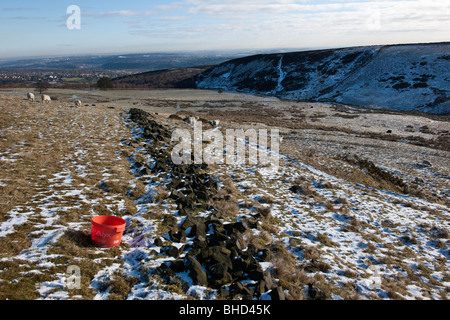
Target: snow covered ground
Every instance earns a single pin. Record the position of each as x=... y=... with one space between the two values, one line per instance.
x=346 y=239
x=398 y=77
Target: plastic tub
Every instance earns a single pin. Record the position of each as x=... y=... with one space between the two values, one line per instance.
x=107 y=231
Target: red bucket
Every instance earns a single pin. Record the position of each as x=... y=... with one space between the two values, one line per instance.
x=107 y=231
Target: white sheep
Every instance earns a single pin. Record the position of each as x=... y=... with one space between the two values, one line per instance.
x=46 y=99
x=192 y=120
x=30 y=96
x=279 y=139
x=215 y=123
x=77 y=103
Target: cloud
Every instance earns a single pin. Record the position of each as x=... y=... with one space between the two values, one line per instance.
x=290 y=22
x=333 y=22
x=174 y=18
x=285 y=23
x=171 y=6
x=19 y=9
x=123 y=13
x=233 y=7
x=344 y=15
x=23 y=18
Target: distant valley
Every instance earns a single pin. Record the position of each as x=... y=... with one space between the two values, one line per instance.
x=412 y=77
x=124 y=62
x=85 y=70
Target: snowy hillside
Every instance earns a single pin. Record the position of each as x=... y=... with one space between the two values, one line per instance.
x=400 y=77
x=351 y=212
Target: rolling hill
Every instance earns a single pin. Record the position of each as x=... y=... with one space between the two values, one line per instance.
x=396 y=77
x=166 y=78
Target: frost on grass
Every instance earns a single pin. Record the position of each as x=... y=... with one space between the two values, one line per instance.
x=334 y=228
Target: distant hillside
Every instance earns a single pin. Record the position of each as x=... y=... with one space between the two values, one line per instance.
x=397 y=77
x=167 y=78
x=128 y=62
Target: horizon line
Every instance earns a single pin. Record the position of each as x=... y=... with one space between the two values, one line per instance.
x=242 y=50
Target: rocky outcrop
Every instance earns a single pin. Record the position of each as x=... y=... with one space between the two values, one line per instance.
x=213 y=252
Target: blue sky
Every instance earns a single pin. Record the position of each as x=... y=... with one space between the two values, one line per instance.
x=33 y=28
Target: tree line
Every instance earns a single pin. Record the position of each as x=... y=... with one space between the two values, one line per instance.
x=103 y=83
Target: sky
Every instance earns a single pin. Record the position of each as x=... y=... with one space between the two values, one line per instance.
x=43 y=28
